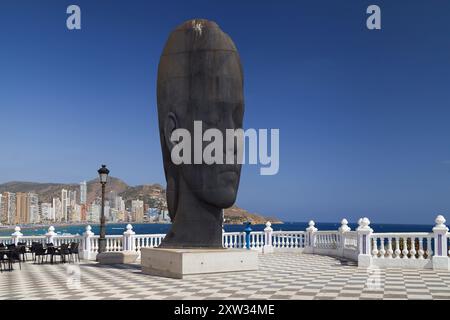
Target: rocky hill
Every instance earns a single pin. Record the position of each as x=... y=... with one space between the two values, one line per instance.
x=147 y=193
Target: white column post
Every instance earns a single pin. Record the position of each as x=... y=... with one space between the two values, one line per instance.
x=310 y=237
x=128 y=239
x=342 y=230
x=87 y=243
x=364 y=241
x=440 y=257
x=268 y=248
x=16 y=235
x=50 y=235
x=223 y=237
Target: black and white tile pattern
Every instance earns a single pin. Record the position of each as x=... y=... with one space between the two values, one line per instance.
x=281 y=276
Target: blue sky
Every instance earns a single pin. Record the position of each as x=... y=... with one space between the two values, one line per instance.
x=363 y=115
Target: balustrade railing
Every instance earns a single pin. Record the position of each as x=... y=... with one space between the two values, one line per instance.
x=350 y=240
x=406 y=249
x=148 y=241
x=402 y=245
x=6 y=240
x=233 y=240
x=288 y=239
x=327 y=239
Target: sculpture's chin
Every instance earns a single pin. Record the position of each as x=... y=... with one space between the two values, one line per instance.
x=220 y=197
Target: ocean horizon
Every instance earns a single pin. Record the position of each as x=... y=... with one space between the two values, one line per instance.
x=155 y=228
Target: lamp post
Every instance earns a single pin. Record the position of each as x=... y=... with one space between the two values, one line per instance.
x=103 y=174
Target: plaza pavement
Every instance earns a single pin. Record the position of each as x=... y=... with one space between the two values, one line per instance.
x=281 y=276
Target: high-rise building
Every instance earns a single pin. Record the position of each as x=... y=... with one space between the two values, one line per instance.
x=83 y=192
x=137 y=210
x=1 y=208
x=121 y=204
x=65 y=205
x=57 y=210
x=8 y=208
x=33 y=208
x=73 y=200
x=83 y=213
x=47 y=212
x=75 y=213
x=94 y=212
x=22 y=208
x=112 y=198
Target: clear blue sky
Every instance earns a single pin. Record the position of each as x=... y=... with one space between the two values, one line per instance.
x=363 y=115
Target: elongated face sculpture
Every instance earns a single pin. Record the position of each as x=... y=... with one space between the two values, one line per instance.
x=199 y=79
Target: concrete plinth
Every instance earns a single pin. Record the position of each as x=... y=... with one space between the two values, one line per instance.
x=117 y=257
x=176 y=263
x=441 y=263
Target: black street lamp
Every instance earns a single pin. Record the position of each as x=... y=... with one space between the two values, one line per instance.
x=103 y=174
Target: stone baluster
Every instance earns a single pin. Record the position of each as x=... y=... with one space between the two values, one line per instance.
x=374 y=245
x=364 y=240
x=413 y=248
x=268 y=248
x=440 y=258
x=342 y=230
x=389 y=251
x=86 y=244
x=310 y=237
x=223 y=238
x=429 y=247
x=128 y=239
x=397 y=248
x=382 y=249
x=420 y=252
x=50 y=235
x=225 y=241
x=16 y=235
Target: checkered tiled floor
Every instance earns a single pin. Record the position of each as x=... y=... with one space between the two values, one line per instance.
x=281 y=276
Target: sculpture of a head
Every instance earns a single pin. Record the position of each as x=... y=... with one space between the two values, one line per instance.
x=199 y=79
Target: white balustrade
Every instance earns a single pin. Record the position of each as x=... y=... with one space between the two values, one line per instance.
x=94 y=243
x=350 y=240
x=268 y=234
x=50 y=235
x=28 y=240
x=234 y=240
x=440 y=232
x=6 y=240
x=16 y=235
x=147 y=241
x=113 y=243
x=401 y=245
x=288 y=239
x=405 y=249
x=87 y=244
x=327 y=239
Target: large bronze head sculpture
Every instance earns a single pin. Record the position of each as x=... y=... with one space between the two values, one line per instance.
x=199 y=79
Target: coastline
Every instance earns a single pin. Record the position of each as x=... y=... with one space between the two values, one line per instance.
x=81 y=224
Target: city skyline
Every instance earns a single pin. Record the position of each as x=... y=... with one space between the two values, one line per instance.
x=21 y=208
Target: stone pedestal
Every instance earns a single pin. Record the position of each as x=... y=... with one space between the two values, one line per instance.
x=117 y=257
x=176 y=263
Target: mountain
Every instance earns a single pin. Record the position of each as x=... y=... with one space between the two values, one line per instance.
x=148 y=193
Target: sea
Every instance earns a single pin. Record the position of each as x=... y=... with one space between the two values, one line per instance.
x=152 y=228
